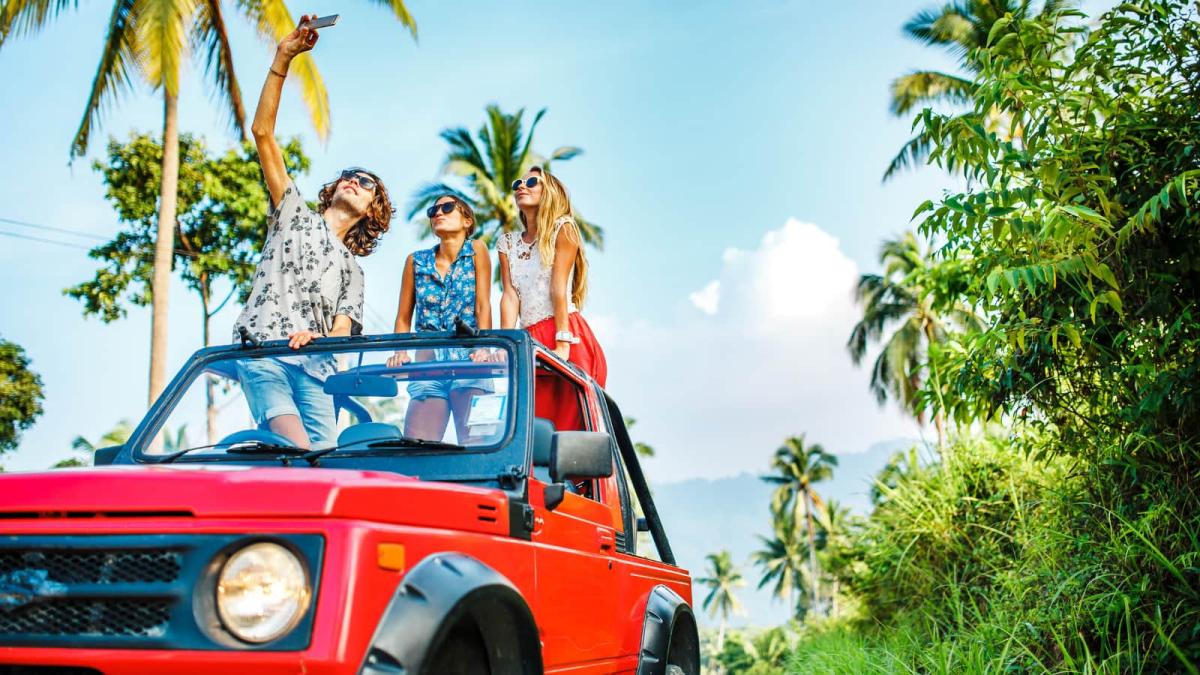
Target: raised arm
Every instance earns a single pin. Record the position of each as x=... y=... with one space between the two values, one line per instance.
x=270 y=158
x=483 y=284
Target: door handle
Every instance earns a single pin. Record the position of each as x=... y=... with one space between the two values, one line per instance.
x=605 y=539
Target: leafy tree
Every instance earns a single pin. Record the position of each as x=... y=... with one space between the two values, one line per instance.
x=797 y=468
x=153 y=38
x=118 y=435
x=20 y=395
x=503 y=154
x=722 y=578
x=961 y=28
x=910 y=306
x=220 y=229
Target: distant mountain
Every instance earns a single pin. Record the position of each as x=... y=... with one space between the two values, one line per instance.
x=702 y=516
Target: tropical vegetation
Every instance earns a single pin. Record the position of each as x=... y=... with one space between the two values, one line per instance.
x=20 y=395
x=487 y=164
x=153 y=39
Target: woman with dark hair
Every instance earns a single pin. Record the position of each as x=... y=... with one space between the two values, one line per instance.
x=441 y=286
x=308 y=283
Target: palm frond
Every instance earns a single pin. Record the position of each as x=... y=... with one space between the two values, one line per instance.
x=112 y=74
x=429 y=193
x=923 y=87
x=523 y=159
x=210 y=37
x=273 y=21
x=401 y=13
x=591 y=233
x=20 y=17
x=914 y=153
x=162 y=27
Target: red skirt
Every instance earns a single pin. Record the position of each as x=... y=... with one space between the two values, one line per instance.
x=586 y=353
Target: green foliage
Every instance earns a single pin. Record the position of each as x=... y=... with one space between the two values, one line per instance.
x=20 y=395
x=642 y=449
x=118 y=435
x=1071 y=543
x=221 y=224
x=504 y=153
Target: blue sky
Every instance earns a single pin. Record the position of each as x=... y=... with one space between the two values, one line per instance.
x=706 y=126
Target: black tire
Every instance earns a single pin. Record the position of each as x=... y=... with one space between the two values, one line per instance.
x=462 y=652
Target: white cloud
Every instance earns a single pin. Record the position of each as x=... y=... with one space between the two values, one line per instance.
x=716 y=390
x=707 y=299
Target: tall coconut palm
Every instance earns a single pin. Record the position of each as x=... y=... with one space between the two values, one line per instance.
x=503 y=154
x=960 y=27
x=153 y=38
x=836 y=545
x=781 y=560
x=723 y=577
x=797 y=467
x=905 y=301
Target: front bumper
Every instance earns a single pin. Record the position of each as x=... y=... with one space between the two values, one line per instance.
x=176 y=662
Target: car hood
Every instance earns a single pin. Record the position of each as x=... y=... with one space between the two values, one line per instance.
x=230 y=491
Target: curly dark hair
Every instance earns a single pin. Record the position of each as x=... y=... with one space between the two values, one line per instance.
x=363 y=236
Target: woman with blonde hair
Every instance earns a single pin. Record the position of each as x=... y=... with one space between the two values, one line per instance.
x=544 y=273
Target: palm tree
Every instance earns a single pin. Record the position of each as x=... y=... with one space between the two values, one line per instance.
x=905 y=300
x=960 y=27
x=723 y=577
x=504 y=153
x=835 y=548
x=153 y=38
x=782 y=561
x=797 y=468
x=118 y=435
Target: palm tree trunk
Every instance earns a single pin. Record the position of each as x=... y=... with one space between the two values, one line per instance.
x=812 y=548
x=164 y=246
x=210 y=386
x=938 y=422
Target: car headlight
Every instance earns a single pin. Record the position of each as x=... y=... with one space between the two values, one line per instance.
x=262 y=592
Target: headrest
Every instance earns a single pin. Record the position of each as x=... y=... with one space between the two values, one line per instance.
x=543 y=433
x=359 y=435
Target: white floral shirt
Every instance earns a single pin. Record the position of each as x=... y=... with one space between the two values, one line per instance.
x=531 y=276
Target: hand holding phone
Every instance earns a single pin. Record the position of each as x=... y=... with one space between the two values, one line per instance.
x=323 y=22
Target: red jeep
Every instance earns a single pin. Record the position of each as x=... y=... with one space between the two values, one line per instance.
x=508 y=543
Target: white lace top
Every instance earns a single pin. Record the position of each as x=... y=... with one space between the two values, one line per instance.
x=530 y=276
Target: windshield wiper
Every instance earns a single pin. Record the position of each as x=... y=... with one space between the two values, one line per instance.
x=383 y=444
x=243 y=448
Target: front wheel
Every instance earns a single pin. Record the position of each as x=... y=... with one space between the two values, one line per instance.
x=461 y=652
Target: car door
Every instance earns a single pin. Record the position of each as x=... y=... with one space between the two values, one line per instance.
x=576 y=588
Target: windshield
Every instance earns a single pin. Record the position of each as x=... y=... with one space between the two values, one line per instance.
x=351 y=401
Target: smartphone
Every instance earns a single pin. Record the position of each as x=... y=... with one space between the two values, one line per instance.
x=323 y=22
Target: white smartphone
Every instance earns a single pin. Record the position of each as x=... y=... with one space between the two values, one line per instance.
x=323 y=22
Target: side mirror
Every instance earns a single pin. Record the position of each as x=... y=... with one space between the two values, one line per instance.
x=580 y=455
x=106 y=456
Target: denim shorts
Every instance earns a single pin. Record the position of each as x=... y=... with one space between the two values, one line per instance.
x=274 y=387
x=423 y=389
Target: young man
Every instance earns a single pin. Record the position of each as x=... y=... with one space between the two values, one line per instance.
x=308 y=283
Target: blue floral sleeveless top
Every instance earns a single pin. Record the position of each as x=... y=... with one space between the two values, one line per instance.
x=441 y=301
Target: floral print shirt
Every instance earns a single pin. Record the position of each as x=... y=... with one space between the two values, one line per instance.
x=305 y=278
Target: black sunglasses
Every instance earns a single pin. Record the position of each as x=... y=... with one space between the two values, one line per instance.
x=445 y=207
x=362 y=179
x=530 y=183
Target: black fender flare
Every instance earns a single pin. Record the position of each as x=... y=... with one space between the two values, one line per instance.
x=436 y=595
x=667 y=613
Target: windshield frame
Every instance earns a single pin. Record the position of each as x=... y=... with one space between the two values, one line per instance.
x=510 y=450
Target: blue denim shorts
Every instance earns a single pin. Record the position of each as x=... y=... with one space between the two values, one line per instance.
x=274 y=387
x=423 y=389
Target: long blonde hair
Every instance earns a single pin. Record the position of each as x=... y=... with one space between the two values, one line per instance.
x=555 y=204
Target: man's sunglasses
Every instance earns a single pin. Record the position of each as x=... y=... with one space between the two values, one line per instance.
x=362 y=179
x=530 y=183
x=443 y=208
